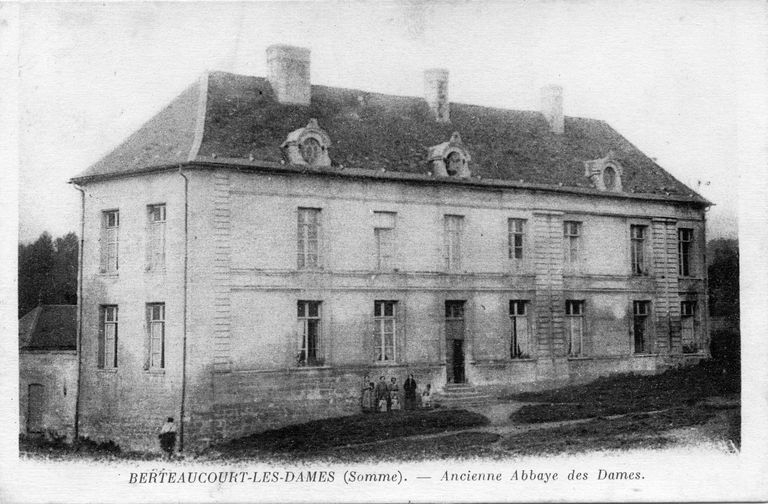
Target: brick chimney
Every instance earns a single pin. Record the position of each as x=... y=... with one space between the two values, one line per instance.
x=552 y=108
x=436 y=93
x=288 y=73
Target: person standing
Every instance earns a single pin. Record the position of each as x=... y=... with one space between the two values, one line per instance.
x=366 y=395
x=382 y=394
x=168 y=437
x=394 y=395
x=410 y=392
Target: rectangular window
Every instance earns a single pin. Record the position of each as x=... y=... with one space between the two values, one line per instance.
x=107 y=357
x=684 y=245
x=110 y=226
x=516 y=237
x=519 y=347
x=384 y=317
x=309 y=318
x=641 y=311
x=384 y=232
x=688 y=327
x=572 y=241
x=574 y=326
x=156 y=330
x=156 y=237
x=309 y=238
x=453 y=232
x=638 y=236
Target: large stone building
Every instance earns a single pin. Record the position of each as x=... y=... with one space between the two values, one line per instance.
x=262 y=243
x=48 y=371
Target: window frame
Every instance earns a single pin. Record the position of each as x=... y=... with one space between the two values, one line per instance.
x=518 y=317
x=380 y=320
x=384 y=227
x=108 y=343
x=692 y=315
x=515 y=250
x=645 y=319
x=572 y=242
x=575 y=310
x=305 y=244
x=156 y=232
x=304 y=321
x=685 y=252
x=453 y=227
x=638 y=249
x=110 y=236
x=153 y=322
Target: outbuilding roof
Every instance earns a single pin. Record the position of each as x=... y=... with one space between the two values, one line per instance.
x=49 y=327
x=234 y=117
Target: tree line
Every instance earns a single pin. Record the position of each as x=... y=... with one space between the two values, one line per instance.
x=48 y=272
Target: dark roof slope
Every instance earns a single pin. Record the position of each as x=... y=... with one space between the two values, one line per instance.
x=49 y=327
x=373 y=131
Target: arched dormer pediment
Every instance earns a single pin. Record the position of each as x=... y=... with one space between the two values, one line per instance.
x=605 y=173
x=308 y=146
x=450 y=159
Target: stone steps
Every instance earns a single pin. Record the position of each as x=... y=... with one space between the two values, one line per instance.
x=461 y=394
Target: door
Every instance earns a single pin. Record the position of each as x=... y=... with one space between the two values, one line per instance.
x=458 y=361
x=35 y=408
x=454 y=341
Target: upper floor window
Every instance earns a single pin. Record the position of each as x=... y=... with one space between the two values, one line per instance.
x=519 y=347
x=516 y=238
x=107 y=356
x=156 y=335
x=110 y=227
x=309 y=319
x=385 y=314
x=572 y=241
x=638 y=235
x=384 y=233
x=156 y=237
x=574 y=327
x=454 y=225
x=309 y=238
x=684 y=247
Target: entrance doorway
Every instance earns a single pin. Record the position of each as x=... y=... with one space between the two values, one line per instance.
x=454 y=341
x=35 y=408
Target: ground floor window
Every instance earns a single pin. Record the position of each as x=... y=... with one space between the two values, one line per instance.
x=688 y=327
x=309 y=320
x=107 y=357
x=156 y=335
x=640 y=323
x=574 y=327
x=519 y=347
x=385 y=313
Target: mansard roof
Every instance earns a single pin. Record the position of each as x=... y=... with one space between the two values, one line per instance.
x=235 y=118
x=49 y=327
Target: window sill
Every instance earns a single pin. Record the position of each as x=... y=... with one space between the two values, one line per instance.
x=107 y=275
x=579 y=357
x=310 y=368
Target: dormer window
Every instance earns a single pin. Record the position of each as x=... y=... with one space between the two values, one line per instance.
x=308 y=146
x=450 y=159
x=605 y=173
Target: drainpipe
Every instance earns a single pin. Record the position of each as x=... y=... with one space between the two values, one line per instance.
x=79 y=312
x=184 y=319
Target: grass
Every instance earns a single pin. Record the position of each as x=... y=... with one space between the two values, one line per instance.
x=639 y=430
x=322 y=435
x=627 y=393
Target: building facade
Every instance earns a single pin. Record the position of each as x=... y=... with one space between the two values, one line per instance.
x=262 y=244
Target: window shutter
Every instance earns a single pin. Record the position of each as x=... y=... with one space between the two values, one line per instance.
x=100 y=345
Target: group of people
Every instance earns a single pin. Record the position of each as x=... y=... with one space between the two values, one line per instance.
x=386 y=395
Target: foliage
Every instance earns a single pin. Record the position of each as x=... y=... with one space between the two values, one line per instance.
x=48 y=272
x=723 y=271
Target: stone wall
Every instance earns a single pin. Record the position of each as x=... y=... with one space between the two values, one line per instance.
x=56 y=371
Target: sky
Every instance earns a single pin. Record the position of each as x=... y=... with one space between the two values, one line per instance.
x=681 y=80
